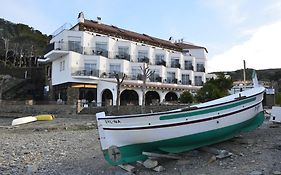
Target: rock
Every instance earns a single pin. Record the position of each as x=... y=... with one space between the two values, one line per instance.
x=31 y=169
x=256 y=173
x=182 y=162
x=276 y=172
x=159 y=168
x=241 y=154
x=89 y=124
x=148 y=163
x=212 y=159
x=62 y=154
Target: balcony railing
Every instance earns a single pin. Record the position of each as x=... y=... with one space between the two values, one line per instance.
x=199 y=83
x=143 y=60
x=186 y=82
x=188 y=67
x=101 y=52
x=155 y=78
x=162 y=62
x=175 y=65
x=171 y=80
x=123 y=56
x=201 y=69
x=85 y=72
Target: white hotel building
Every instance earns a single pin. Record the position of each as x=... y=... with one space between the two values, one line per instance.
x=82 y=61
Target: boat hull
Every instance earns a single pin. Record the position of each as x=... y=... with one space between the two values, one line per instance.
x=123 y=139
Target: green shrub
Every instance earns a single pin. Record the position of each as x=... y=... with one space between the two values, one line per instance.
x=278 y=98
x=186 y=97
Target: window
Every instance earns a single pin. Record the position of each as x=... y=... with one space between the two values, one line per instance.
x=198 y=81
x=155 y=77
x=200 y=67
x=75 y=46
x=90 y=69
x=159 y=58
x=62 y=65
x=49 y=71
x=188 y=65
x=185 y=79
x=143 y=56
x=171 y=76
x=175 y=62
x=114 y=68
x=101 y=49
x=101 y=46
x=123 y=53
x=136 y=73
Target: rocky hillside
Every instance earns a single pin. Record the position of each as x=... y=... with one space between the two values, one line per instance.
x=20 y=44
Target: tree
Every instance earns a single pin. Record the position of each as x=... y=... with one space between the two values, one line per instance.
x=2 y=83
x=146 y=73
x=118 y=85
x=186 y=97
x=214 y=88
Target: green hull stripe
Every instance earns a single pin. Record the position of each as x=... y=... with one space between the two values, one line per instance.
x=206 y=111
x=132 y=153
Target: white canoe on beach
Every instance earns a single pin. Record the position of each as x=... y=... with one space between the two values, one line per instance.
x=28 y=119
x=124 y=138
x=23 y=120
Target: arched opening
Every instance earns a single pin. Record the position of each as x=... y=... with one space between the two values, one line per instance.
x=171 y=97
x=107 y=98
x=129 y=97
x=152 y=98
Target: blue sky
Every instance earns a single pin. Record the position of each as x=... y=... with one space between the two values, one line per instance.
x=231 y=30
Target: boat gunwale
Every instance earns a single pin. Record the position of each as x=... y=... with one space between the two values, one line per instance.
x=184 y=123
x=178 y=110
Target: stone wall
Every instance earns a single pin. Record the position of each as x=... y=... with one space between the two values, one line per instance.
x=19 y=110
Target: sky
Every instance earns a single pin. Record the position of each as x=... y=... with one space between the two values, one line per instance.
x=231 y=30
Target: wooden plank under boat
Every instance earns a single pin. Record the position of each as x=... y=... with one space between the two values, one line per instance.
x=124 y=138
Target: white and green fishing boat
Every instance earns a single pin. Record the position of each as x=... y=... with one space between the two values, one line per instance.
x=124 y=138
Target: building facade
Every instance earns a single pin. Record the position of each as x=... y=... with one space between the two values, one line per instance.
x=83 y=61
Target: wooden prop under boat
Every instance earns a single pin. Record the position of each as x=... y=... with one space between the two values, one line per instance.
x=123 y=139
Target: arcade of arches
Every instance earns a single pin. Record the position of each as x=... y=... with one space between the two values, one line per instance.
x=131 y=97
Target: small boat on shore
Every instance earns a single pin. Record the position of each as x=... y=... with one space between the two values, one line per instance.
x=29 y=119
x=123 y=139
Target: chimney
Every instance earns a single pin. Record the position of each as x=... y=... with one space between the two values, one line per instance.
x=81 y=17
x=98 y=19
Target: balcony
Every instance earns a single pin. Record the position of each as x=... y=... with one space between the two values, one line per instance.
x=189 y=67
x=162 y=62
x=143 y=60
x=112 y=74
x=199 y=83
x=101 y=52
x=175 y=65
x=186 y=82
x=123 y=57
x=172 y=80
x=155 y=78
x=84 y=72
x=201 y=69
